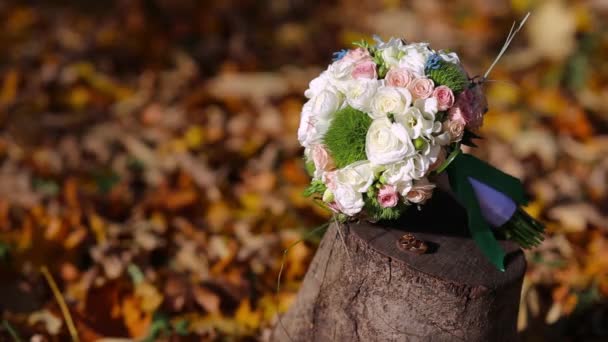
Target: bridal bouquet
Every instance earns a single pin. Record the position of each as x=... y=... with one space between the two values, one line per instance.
x=382 y=124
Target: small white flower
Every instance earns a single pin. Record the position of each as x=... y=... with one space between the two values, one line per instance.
x=391 y=42
x=349 y=201
x=390 y=55
x=430 y=150
x=398 y=175
x=414 y=57
x=387 y=143
x=451 y=57
x=358 y=175
x=390 y=100
x=421 y=164
x=359 y=93
x=417 y=123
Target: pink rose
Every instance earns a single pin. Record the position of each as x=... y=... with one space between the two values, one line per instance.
x=421 y=191
x=364 y=69
x=356 y=55
x=321 y=159
x=471 y=105
x=455 y=125
x=398 y=77
x=387 y=196
x=444 y=96
x=421 y=88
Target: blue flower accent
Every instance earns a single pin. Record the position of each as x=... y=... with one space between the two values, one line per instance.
x=338 y=55
x=433 y=63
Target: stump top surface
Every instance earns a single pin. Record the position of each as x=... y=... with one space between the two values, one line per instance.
x=453 y=254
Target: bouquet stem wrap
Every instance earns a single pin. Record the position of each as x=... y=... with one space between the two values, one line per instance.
x=491 y=198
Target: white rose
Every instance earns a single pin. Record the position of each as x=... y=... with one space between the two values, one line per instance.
x=359 y=93
x=312 y=128
x=349 y=201
x=325 y=103
x=318 y=84
x=387 y=143
x=342 y=69
x=414 y=57
x=358 y=175
x=398 y=175
x=390 y=100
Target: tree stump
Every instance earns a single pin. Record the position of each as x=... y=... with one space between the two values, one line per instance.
x=362 y=287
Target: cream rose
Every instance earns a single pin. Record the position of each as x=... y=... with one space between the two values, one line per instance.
x=389 y=100
x=421 y=88
x=421 y=191
x=455 y=127
x=398 y=77
x=387 y=143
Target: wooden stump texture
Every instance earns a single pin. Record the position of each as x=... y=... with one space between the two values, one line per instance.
x=362 y=287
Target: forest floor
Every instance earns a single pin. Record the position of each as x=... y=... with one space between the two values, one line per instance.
x=149 y=160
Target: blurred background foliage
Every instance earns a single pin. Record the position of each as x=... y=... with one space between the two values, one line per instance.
x=148 y=155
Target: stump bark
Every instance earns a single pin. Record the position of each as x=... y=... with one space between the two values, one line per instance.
x=361 y=286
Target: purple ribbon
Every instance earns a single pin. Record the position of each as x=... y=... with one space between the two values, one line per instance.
x=496 y=207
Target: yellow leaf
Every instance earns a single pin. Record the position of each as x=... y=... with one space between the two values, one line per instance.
x=246 y=317
x=136 y=320
x=503 y=93
x=78 y=98
x=9 y=87
x=149 y=297
x=98 y=228
x=194 y=137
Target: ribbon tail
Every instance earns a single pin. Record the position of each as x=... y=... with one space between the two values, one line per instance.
x=493 y=177
x=479 y=228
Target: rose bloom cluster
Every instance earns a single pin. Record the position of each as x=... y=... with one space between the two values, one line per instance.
x=414 y=121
